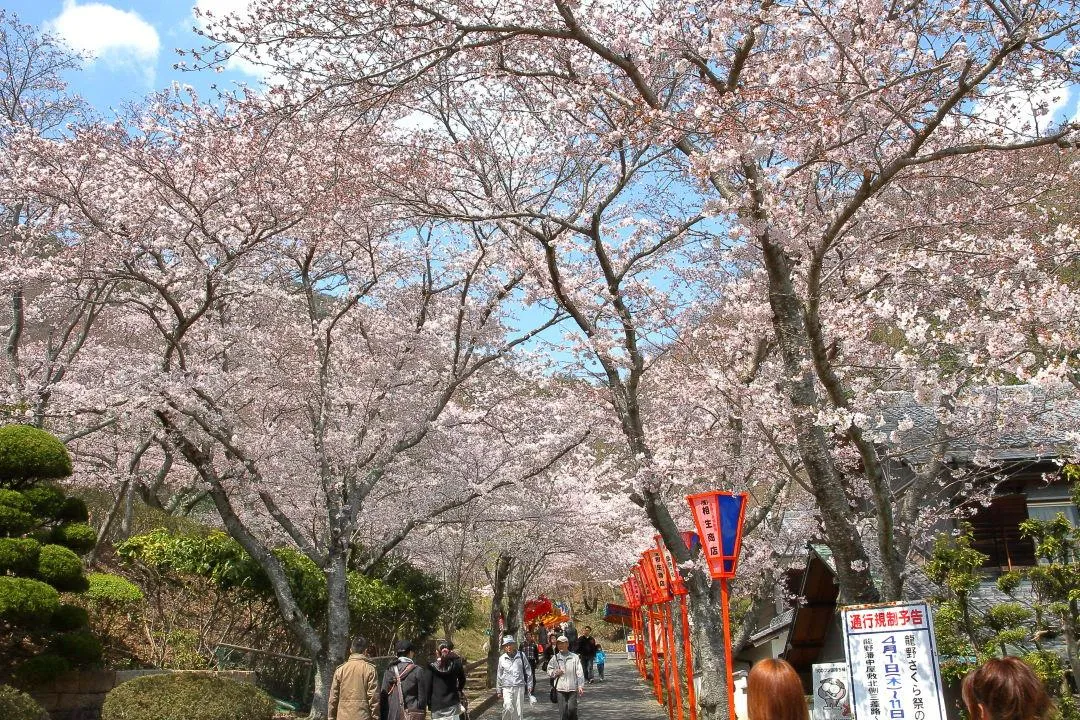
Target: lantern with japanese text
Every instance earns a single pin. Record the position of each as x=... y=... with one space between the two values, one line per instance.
x=719 y=520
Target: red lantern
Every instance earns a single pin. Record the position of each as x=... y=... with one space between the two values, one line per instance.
x=719 y=519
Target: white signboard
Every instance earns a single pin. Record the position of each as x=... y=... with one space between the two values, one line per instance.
x=832 y=692
x=892 y=662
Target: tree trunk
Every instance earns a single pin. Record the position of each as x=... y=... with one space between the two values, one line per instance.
x=503 y=565
x=1072 y=643
x=710 y=660
x=337 y=632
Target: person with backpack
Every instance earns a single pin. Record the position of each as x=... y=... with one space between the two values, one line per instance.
x=406 y=686
x=445 y=691
x=565 y=670
x=513 y=680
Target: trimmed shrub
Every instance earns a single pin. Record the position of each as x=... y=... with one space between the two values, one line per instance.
x=28 y=454
x=74 y=510
x=79 y=647
x=46 y=502
x=17 y=705
x=112 y=590
x=27 y=602
x=61 y=568
x=186 y=696
x=40 y=669
x=14 y=499
x=79 y=537
x=69 y=617
x=14 y=521
x=19 y=556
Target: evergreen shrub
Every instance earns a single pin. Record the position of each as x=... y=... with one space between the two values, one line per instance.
x=186 y=696
x=79 y=647
x=19 y=556
x=61 y=568
x=26 y=601
x=29 y=455
x=69 y=617
x=17 y=705
x=41 y=669
x=78 y=537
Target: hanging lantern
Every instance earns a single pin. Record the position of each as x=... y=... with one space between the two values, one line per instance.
x=719 y=519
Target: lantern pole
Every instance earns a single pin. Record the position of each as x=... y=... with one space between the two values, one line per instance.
x=673 y=672
x=728 y=650
x=688 y=661
x=655 y=655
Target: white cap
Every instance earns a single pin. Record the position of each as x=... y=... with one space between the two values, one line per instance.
x=562 y=638
x=507 y=639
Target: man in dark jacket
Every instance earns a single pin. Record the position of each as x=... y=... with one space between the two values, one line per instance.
x=445 y=691
x=531 y=651
x=586 y=650
x=405 y=680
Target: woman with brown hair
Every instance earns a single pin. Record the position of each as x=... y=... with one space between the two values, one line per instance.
x=1005 y=689
x=775 y=692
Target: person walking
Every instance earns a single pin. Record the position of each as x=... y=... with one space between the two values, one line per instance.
x=586 y=651
x=775 y=692
x=445 y=691
x=406 y=686
x=570 y=631
x=1005 y=688
x=565 y=669
x=601 y=658
x=513 y=680
x=549 y=651
x=531 y=651
x=354 y=692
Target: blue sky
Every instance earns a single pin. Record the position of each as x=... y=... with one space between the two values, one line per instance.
x=131 y=44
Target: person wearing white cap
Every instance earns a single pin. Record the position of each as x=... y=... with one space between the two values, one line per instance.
x=514 y=680
x=568 y=677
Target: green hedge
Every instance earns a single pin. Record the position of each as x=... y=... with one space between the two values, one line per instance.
x=79 y=537
x=74 y=510
x=19 y=556
x=41 y=669
x=69 y=617
x=27 y=602
x=15 y=522
x=186 y=696
x=46 y=502
x=79 y=647
x=108 y=589
x=16 y=705
x=28 y=454
x=61 y=568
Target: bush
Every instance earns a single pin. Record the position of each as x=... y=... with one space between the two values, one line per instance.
x=16 y=705
x=79 y=647
x=14 y=521
x=28 y=454
x=61 y=568
x=74 y=510
x=46 y=502
x=186 y=696
x=69 y=617
x=79 y=537
x=19 y=556
x=112 y=590
x=27 y=602
x=14 y=499
x=41 y=669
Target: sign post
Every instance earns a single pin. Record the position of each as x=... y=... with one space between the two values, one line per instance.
x=892 y=662
x=719 y=520
x=678 y=590
x=832 y=691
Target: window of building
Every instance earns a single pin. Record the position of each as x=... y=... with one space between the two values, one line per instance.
x=996 y=533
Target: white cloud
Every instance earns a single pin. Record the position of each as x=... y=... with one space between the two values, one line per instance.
x=107 y=33
x=1023 y=111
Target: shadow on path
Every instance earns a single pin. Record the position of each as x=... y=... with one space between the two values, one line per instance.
x=623 y=696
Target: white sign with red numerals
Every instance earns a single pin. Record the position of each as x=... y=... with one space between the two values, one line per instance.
x=892 y=662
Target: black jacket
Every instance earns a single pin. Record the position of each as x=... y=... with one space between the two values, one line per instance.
x=586 y=647
x=446 y=684
x=414 y=687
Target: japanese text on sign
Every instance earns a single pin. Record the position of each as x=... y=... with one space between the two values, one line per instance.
x=892 y=662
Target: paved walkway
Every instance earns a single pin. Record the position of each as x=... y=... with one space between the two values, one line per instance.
x=622 y=696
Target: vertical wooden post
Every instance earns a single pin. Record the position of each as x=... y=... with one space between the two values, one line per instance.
x=724 y=607
x=655 y=657
x=688 y=659
x=674 y=682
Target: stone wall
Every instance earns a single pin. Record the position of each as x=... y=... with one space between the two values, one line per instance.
x=80 y=695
